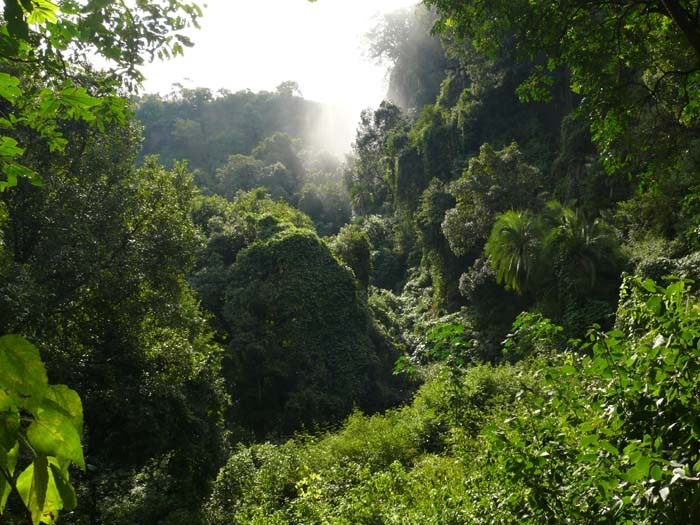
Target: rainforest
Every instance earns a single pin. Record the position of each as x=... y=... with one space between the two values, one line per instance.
x=487 y=311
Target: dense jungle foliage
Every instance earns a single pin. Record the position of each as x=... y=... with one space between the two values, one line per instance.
x=488 y=312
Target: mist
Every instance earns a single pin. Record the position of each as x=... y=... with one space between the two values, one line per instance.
x=257 y=45
x=333 y=131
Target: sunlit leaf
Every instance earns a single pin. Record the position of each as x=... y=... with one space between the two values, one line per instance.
x=640 y=470
x=64 y=488
x=22 y=373
x=9 y=147
x=32 y=486
x=44 y=11
x=78 y=97
x=66 y=400
x=53 y=433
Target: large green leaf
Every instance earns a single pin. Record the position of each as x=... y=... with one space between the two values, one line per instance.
x=32 y=486
x=22 y=374
x=53 y=433
x=78 y=97
x=63 y=486
x=45 y=490
x=44 y=11
x=67 y=401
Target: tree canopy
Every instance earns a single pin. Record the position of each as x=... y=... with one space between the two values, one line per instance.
x=635 y=64
x=55 y=41
x=486 y=313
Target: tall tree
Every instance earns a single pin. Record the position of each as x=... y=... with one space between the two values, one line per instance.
x=369 y=175
x=96 y=277
x=403 y=40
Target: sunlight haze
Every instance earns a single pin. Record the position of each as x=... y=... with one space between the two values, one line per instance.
x=257 y=44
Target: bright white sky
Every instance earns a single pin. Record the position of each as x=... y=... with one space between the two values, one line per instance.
x=257 y=44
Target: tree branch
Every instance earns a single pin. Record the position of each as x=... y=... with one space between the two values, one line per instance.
x=684 y=22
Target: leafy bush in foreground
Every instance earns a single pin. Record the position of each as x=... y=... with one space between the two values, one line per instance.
x=607 y=433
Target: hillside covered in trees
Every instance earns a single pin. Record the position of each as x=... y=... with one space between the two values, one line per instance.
x=487 y=312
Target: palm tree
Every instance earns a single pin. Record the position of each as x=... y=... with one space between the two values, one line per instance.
x=578 y=247
x=514 y=249
x=558 y=256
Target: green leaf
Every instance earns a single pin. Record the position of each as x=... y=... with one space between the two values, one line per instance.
x=65 y=489
x=587 y=458
x=8 y=461
x=22 y=373
x=605 y=485
x=9 y=87
x=53 y=433
x=5 y=490
x=67 y=401
x=32 y=486
x=568 y=370
x=41 y=490
x=49 y=106
x=587 y=441
x=43 y=12
x=640 y=470
x=14 y=171
x=9 y=148
x=608 y=447
x=654 y=304
x=79 y=98
x=649 y=285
